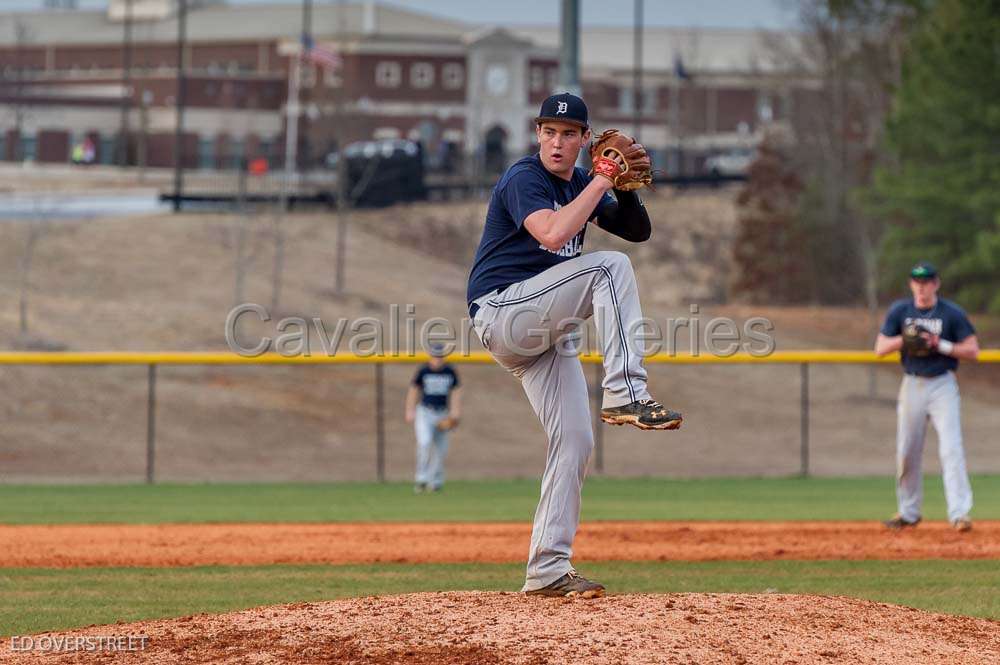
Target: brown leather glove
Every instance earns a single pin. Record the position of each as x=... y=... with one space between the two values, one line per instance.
x=447 y=423
x=914 y=343
x=620 y=159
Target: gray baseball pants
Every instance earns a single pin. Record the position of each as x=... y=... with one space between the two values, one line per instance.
x=935 y=399
x=529 y=329
x=432 y=446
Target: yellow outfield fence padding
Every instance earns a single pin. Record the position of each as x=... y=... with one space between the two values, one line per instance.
x=229 y=358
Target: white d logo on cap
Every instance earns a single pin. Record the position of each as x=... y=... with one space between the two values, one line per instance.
x=561 y=108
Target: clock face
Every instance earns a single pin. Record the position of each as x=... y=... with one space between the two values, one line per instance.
x=497 y=80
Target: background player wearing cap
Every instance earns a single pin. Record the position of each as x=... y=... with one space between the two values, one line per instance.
x=434 y=399
x=929 y=390
x=529 y=287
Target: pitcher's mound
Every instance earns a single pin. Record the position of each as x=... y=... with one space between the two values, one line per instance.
x=480 y=628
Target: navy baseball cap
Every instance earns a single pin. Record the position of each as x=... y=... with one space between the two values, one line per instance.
x=564 y=107
x=437 y=350
x=923 y=270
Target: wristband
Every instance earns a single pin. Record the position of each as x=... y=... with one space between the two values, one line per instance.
x=945 y=347
x=607 y=167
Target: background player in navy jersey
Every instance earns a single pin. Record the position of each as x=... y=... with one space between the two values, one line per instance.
x=929 y=391
x=529 y=290
x=434 y=398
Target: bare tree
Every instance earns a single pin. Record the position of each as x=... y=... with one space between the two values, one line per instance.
x=840 y=76
x=36 y=229
x=334 y=126
x=17 y=72
x=39 y=223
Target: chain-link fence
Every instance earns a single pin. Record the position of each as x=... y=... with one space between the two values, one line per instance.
x=172 y=418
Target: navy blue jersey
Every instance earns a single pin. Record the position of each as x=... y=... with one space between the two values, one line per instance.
x=945 y=319
x=507 y=252
x=435 y=385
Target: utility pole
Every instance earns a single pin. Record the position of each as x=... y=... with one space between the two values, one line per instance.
x=569 y=55
x=675 y=121
x=20 y=39
x=181 y=101
x=343 y=172
x=126 y=80
x=637 y=71
x=292 y=113
x=307 y=39
x=293 y=108
x=569 y=47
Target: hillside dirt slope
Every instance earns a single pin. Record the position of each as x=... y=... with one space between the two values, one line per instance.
x=167 y=282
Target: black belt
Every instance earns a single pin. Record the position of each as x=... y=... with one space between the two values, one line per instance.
x=474 y=307
x=927 y=376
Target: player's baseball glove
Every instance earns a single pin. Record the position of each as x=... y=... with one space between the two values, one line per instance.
x=620 y=159
x=448 y=423
x=914 y=343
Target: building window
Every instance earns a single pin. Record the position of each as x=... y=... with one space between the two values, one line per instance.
x=332 y=78
x=626 y=100
x=387 y=74
x=765 y=107
x=29 y=145
x=649 y=98
x=106 y=153
x=537 y=79
x=453 y=76
x=206 y=153
x=422 y=75
x=553 y=77
x=308 y=75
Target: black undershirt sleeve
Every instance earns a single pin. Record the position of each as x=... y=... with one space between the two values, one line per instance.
x=627 y=218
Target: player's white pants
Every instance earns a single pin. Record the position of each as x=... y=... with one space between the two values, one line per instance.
x=525 y=329
x=432 y=446
x=935 y=399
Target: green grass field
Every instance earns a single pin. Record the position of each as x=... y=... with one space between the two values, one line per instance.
x=34 y=600
x=476 y=501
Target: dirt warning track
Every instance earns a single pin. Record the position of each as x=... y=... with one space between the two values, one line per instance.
x=167 y=545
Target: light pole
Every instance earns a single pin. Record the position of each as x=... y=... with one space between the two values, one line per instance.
x=126 y=80
x=569 y=48
x=637 y=71
x=181 y=100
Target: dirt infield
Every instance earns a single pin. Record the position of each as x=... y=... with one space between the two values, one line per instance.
x=487 y=628
x=67 y=546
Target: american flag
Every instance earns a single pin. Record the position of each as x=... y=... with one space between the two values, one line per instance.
x=319 y=55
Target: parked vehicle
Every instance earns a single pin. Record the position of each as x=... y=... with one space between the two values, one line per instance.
x=382 y=172
x=732 y=162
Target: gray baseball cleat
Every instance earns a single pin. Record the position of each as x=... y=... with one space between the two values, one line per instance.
x=570 y=584
x=644 y=414
x=898 y=522
x=962 y=524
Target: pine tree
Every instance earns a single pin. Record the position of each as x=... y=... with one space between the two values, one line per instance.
x=941 y=193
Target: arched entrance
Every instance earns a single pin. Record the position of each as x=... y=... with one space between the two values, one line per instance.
x=495 y=150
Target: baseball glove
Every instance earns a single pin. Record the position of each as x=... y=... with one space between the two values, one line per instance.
x=447 y=424
x=621 y=160
x=914 y=343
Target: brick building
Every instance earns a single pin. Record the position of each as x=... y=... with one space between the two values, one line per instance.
x=458 y=88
